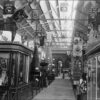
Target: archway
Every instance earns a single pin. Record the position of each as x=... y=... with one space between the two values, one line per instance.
x=60 y=60
x=59 y=63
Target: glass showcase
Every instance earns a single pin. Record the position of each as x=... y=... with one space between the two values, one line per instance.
x=93 y=82
x=4 y=64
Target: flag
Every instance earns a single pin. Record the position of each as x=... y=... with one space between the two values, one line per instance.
x=19 y=15
x=63 y=7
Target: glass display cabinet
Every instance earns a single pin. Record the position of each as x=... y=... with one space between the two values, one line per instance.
x=91 y=82
x=15 y=62
x=93 y=72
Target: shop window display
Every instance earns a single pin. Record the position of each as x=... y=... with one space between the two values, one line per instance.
x=93 y=92
x=22 y=68
x=91 y=83
x=4 y=63
x=93 y=78
x=98 y=78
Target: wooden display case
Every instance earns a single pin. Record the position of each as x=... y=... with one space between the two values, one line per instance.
x=14 y=72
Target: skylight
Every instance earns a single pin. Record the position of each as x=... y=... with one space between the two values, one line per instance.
x=60 y=16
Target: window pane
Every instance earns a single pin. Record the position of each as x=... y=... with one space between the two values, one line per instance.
x=4 y=63
x=98 y=79
x=13 y=69
x=23 y=68
x=27 y=69
x=89 y=85
x=93 y=79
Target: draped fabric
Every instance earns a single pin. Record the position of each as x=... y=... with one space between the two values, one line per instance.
x=36 y=57
x=34 y=63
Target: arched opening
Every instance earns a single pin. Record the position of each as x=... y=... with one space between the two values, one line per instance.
x=58 y=66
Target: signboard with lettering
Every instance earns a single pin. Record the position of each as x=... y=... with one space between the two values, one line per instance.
x=19 y=15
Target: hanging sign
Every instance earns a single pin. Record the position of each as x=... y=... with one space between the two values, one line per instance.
x=19 y=15
x=63 y=7
x=77 y=50
x=8 y=7
x=8 y=25
x=77 y=47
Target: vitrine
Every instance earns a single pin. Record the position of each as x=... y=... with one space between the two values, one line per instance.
x=93 y=73
x=15 y=62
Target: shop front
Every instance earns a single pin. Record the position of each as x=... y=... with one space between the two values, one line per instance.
x=93 y=70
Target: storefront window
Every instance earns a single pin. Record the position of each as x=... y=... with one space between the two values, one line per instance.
x=94 y=82
x=93 y=78
x=13 y=69
x=98 y=78
x=89 y=81
x=27 y=69
x=23 y=69
x=4 y=63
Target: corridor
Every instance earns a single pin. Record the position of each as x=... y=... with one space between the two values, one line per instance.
x=59 y=89
x=42 y=39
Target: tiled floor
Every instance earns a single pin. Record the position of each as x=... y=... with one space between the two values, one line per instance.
x=59 y=89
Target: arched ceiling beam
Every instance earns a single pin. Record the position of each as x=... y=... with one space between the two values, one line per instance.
x=57 y=7
x=41 y=13
x=49 y=9
x=58 y=12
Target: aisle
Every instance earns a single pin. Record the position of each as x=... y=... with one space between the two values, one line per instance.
x=60 y=89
